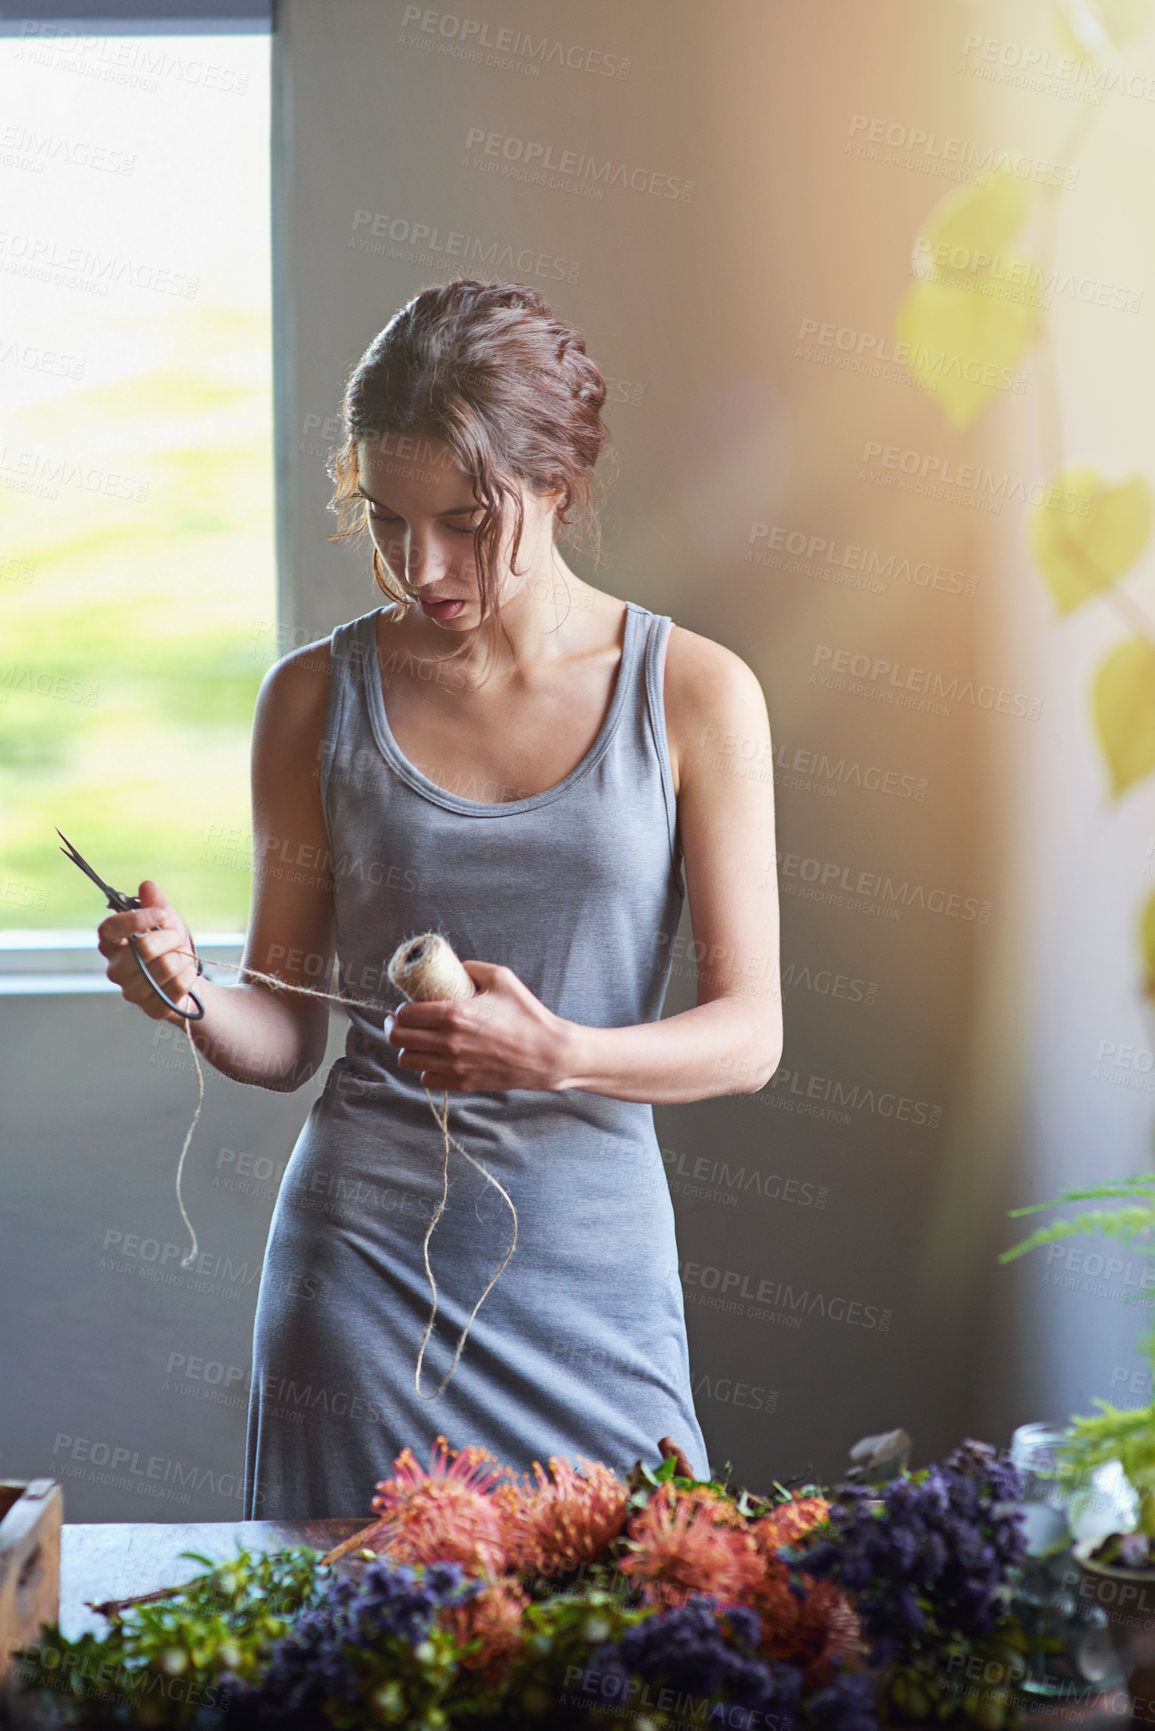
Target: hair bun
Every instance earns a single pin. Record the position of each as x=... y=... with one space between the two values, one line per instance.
x=515 y=296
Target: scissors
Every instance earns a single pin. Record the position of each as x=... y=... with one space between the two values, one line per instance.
x=124 y=904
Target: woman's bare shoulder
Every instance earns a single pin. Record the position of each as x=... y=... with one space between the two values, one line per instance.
x=293 y=700
x=301 y=670
x=307 y=668
x=712 y=699
x=704 y=677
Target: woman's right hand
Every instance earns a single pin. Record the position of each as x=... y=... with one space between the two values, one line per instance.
x=158 y=949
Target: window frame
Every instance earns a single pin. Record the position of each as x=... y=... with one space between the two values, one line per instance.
x=66 y=960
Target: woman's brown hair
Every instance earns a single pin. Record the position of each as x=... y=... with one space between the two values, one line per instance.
x=488 y=372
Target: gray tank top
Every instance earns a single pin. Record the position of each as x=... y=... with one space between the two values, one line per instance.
x=578 y=889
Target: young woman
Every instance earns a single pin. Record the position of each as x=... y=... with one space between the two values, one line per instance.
x=541 y=772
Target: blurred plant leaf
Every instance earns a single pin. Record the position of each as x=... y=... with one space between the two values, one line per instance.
x=962 y=344
x=1081 y=555
x=1123 y=705
x=965 y=332
x=968 y=228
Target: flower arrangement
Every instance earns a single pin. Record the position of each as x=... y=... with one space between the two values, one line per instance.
x=575 y=1598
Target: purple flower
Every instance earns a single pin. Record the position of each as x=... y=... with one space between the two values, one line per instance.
x=688 y=1649
x=933 y=1557
x=391 y=1607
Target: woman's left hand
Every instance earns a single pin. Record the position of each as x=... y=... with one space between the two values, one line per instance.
x=502 y=1038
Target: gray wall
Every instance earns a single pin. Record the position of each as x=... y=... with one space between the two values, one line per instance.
x=126 y=1376
x=964 y=1046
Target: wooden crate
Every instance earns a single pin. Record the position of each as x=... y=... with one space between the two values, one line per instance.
x=30 y=1519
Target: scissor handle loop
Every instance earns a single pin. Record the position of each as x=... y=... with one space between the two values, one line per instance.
x=189 y=1015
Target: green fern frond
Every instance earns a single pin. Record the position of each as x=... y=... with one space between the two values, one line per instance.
x=1125 y=1223
x=1139 y=1183
x=1113 y=1433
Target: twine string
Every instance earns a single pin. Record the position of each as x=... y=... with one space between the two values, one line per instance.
x=442 y=1122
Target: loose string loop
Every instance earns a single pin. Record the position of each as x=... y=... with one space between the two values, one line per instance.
x=438 y=976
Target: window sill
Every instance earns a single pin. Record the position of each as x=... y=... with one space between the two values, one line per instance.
x=33 y=963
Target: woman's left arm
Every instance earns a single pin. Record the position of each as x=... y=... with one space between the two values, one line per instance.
x=731 y=1041
x=722 y=757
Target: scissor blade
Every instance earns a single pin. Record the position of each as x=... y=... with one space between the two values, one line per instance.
x=70 y=852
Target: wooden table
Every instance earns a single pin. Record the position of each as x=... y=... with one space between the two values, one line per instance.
x=116 y=1560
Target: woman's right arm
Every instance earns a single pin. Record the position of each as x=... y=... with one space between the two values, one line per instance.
x=250 y=1031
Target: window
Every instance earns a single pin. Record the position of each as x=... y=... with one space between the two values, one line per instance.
x=137 y=576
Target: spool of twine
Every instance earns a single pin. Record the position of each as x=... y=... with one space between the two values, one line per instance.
x=424 y=969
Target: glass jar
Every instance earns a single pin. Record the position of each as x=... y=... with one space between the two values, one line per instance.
x=1073 y=1651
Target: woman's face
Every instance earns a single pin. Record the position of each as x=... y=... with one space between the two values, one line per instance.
x=422 y=516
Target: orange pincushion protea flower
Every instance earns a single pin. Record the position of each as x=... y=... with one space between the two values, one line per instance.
x=812 y=1631
x=552 y=1527
x=448 y=1512
x=690 y=1541
x=494 y=1614
x=788 y=1523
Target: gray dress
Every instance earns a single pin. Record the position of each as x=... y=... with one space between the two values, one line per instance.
x=580 y=1348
